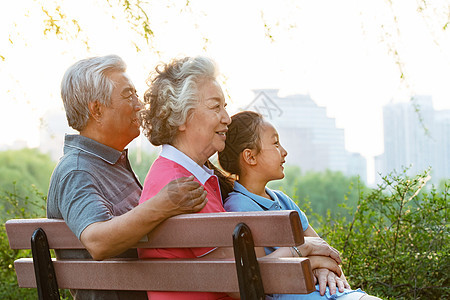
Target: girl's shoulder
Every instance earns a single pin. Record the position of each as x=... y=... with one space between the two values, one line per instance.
x=285 y=199
x=280 y=195
x=237 y=201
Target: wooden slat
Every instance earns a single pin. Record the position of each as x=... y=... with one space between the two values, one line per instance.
x=279 y=275
x=190 y=230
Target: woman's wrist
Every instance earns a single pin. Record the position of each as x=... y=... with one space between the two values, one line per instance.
x=296 y=252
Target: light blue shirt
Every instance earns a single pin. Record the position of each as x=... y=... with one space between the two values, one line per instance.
x=242 y=200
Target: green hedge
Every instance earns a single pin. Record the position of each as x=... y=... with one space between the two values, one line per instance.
x=394 y=244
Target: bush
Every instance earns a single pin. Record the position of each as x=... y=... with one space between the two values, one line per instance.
x=16 y=206
x=325 y=190
x=396 y=245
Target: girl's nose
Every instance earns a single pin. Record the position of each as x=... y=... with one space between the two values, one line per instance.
x=283 y=152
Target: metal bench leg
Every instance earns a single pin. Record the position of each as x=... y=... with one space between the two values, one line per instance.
x=47 y=286
x=249 y=276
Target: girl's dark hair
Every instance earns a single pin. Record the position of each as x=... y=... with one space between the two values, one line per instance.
x=243 y=133
x=226 y=183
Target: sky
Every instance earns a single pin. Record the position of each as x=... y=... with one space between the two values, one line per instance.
x=349 y=56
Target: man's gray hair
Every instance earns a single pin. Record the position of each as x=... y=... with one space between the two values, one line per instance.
x=87 y=81
x=172 y=94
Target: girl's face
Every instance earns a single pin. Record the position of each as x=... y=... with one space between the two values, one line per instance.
x=272 y=156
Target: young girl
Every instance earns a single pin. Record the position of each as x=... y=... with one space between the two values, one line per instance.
x=254 y=155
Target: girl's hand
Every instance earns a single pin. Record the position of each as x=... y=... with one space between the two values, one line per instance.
x=327 y=278
x=346 y=284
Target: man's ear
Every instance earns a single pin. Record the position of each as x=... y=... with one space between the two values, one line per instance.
x=249 y=157
x=95 y=110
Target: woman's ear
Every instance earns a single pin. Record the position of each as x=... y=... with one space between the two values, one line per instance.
x=249 y=157
x=95 y=110
x=182 y=127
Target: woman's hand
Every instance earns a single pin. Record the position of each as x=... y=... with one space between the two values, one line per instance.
x=318 y=246
x=323 y=262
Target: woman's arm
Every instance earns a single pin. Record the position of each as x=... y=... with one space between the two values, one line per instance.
x=312 y=246
x=323 y=262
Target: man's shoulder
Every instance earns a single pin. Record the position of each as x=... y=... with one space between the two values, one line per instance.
x=73 y=161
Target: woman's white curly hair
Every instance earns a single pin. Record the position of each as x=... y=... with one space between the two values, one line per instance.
x=172 y=93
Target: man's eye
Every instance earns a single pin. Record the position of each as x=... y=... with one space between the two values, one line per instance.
x=131 y=96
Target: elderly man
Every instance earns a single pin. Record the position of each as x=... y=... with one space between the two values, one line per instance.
x=93 y=187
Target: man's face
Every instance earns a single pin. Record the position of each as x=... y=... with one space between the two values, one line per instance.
x=119 y=121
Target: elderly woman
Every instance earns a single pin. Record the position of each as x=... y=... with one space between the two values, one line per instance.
x=187 y=116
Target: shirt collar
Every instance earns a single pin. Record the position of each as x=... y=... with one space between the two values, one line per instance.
x=90 y=146
x=201 y=173
x=264 y=202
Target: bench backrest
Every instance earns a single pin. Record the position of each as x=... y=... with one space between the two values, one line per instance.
x=281 y=228
x=271 y=228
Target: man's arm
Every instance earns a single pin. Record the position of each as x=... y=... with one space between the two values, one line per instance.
x=113 y=237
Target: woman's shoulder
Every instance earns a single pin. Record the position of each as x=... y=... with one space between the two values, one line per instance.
x=163 y=167
x=161 y=172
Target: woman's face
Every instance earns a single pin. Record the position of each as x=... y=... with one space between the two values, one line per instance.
x=204 y=132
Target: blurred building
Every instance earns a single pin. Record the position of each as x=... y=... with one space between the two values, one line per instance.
x=311 y=138
x=415 y=137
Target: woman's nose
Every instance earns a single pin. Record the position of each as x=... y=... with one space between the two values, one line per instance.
x=226 y=118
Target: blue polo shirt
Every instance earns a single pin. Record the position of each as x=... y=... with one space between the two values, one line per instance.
x=240 y=199
x=91 y=183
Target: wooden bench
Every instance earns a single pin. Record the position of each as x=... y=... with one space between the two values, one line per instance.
x=250 y=276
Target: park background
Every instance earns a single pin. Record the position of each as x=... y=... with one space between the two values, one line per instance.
x=352 y=57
